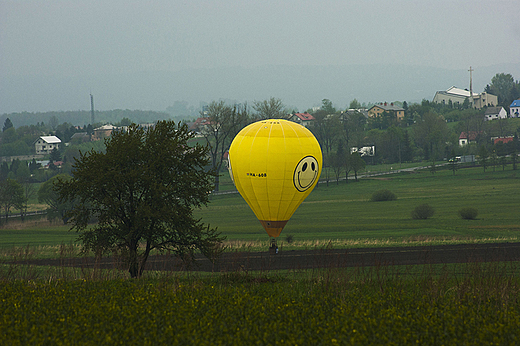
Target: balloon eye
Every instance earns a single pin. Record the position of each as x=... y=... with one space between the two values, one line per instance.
x=304 y=167
x=313 y=166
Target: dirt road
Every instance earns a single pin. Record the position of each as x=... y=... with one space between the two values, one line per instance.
x=316 y=258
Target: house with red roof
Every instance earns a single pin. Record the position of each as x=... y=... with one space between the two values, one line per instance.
x=302 y=118
x=464 y=138
x=502 y=139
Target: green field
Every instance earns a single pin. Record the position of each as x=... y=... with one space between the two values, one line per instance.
x=343 y=214
x=344 y=211
x=456 y=304
x=466 y=304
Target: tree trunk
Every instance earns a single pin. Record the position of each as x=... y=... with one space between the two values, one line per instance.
x=143 y=260
x=133 y=261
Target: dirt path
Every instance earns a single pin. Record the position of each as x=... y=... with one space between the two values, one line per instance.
x=318 y=258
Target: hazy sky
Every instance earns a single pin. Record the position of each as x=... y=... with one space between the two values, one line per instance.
x=68 y=38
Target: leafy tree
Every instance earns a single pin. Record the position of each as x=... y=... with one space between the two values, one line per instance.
x=327 y=107
x=48 y=195
x=430 y=133
x=142 y=190
x=33 y=166
x=407 y=151
x=124 y=122
x=353 y=128
x=55 y=155
x=504 y=87
x=7 y=124
x=483 y=156
x=514 y=159
x=354 y=104
x=9 y=135
x=4 y=170
x=327 y=129
x=338 y=160
x=11 y=196
x=270 y=109
x=357 y=163
x=452 y=162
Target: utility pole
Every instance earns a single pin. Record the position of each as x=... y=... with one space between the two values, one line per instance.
x=471 y=88
x=91 y=109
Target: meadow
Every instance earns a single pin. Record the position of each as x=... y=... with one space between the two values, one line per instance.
x=343 y=212
x=463 y=304
x=344 y=215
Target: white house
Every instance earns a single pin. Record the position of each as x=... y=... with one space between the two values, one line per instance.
x=514 y=109
x=465 y=139
x=492 y=113
x=457 y=96
x=45 y=144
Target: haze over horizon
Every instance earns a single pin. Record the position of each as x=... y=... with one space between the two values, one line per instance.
x=147 y=55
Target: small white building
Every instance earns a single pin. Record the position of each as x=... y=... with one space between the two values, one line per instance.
x=45 y=144
x=493 y=113
x=514 y=109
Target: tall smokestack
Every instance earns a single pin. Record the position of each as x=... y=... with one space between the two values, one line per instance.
x=91 y=110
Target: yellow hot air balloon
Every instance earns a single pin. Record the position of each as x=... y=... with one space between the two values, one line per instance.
x=274 y=164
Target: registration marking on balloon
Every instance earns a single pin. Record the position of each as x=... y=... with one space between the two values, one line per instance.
x=259 y=175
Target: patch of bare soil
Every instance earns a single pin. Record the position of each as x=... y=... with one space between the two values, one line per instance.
x=310 y=259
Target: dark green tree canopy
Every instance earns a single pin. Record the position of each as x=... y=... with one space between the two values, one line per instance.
x=11 y=196
x=7 y=124
x=48 y=195
x=142 y=191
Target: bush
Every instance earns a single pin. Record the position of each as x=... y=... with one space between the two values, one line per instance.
x=289 y=238
x=468 y=213
x=383 y=195
x=423 y=211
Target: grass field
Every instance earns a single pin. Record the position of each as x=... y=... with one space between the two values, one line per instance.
x=343 y=214
x=344 y=211
x=466 y=303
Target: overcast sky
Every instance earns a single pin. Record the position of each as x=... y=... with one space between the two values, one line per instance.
x=80 y=37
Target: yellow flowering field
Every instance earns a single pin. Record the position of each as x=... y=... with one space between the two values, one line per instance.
x=326 y=308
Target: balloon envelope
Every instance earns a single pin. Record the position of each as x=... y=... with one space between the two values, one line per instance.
x=275 y=164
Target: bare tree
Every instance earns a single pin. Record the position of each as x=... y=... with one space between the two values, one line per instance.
x=220 y=125
x=270 y=109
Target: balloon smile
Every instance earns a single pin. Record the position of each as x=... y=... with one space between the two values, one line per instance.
x=305 y=173
x=305 y=187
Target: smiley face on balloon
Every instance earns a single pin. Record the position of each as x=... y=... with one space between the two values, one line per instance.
x=305 y=173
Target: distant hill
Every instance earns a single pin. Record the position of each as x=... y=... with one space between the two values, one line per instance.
x=82 y=118
x=299 y=87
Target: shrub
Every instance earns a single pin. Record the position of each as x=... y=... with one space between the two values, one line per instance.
x=289 y=238
x=383 y=195
x=423 y=211
x=468 y=213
